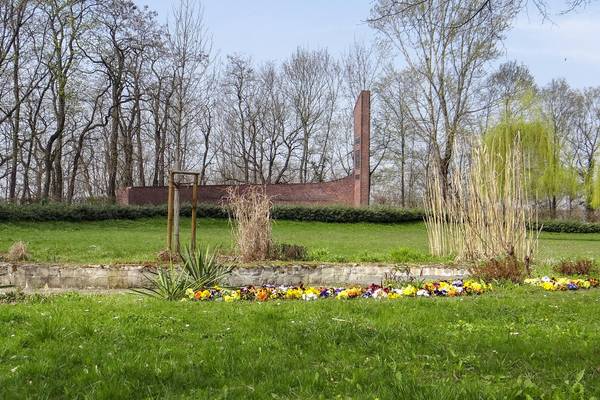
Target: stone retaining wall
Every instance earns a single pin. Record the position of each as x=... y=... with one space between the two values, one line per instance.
x=53 y=276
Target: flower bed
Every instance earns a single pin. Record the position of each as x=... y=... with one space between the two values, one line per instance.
x=553 y=284
x=266 y=293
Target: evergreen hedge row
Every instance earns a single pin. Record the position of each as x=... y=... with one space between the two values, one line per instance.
x=564 y=226
x=97 y=212
x=376 y=214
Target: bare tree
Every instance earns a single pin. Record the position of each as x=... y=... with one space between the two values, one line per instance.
x=310 y=92
x=585 y=140
x=447 y=48
x=190 y=47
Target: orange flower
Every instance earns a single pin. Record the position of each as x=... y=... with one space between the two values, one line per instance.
x=262 y=295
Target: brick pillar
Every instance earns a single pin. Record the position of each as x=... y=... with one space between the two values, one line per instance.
x=362 y=138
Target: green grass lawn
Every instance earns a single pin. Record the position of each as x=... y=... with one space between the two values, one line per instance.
x=121 y=347
x=120 y=241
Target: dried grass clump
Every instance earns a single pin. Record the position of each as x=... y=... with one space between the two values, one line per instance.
x=18 y=252
x=484 y=214
x=250 y=216
x=582 y=266
x=165 y=256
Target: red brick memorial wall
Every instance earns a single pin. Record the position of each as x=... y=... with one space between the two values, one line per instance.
x=351 y=191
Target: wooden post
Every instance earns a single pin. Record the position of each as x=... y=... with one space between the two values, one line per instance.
x=176 y=215
x=170 y=213
x=194 y=204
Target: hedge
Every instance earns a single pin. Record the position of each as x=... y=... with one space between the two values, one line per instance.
x=376 y=214
x=97 y=212
x=389 y=215
x=566 y=226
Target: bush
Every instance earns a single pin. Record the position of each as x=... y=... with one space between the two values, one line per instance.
x=288 y=252
x=97 y=212
x=500 y=269
x=375 y=214
x=342 y=214
x=568 y=226
x=582 y=266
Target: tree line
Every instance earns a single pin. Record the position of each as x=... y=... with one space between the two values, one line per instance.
x=98 y=95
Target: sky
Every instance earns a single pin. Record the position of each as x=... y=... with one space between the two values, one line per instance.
x=270 y=30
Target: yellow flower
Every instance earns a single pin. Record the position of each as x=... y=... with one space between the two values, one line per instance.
x=548 y=286
x=293 y=294
x=189 y=293
x=585 y=284
x=409 y=290
x=233 y=296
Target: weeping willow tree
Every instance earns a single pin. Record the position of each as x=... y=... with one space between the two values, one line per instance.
x=592 y=189
x=549 y=178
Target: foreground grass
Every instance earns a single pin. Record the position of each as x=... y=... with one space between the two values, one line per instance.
x=120 y=241
x=119 y=347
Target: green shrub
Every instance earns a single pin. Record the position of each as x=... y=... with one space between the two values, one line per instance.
x=99 y=211
x=566 y=226
x=342 y=214
x=375 y=214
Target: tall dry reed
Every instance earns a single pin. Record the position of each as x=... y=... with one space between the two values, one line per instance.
x=250 y=217
x=485 y=213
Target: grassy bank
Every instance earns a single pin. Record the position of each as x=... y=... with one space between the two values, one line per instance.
x=119 y=241
x=120 y=347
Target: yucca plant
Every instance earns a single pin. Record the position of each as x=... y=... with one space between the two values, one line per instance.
x=202 y=267
x=167 y=283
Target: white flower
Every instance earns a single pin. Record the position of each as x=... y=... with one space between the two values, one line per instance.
x=422 y=292
x=309 y=296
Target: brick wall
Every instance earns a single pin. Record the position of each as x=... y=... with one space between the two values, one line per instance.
x=327 y=193
x=353 y=190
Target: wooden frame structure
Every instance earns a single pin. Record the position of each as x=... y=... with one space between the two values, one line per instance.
x=171 y=208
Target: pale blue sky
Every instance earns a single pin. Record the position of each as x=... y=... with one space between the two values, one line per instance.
x=568 y=47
